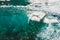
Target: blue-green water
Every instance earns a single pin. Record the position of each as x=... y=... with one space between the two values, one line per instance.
x=15 y=2
x=12 y=21
x=14 y=25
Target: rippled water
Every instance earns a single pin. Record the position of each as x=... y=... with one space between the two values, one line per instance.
x=52 y=32
x=31 y=22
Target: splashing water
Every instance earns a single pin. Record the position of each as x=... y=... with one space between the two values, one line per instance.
x=52 y=32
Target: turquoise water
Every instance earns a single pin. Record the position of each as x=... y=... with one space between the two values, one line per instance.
x=15 y=2
x=12 y=21
x=20 y=2
x=14 y=25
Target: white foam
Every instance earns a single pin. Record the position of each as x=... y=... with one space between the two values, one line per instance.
x=46 y=20
x=36 y=16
